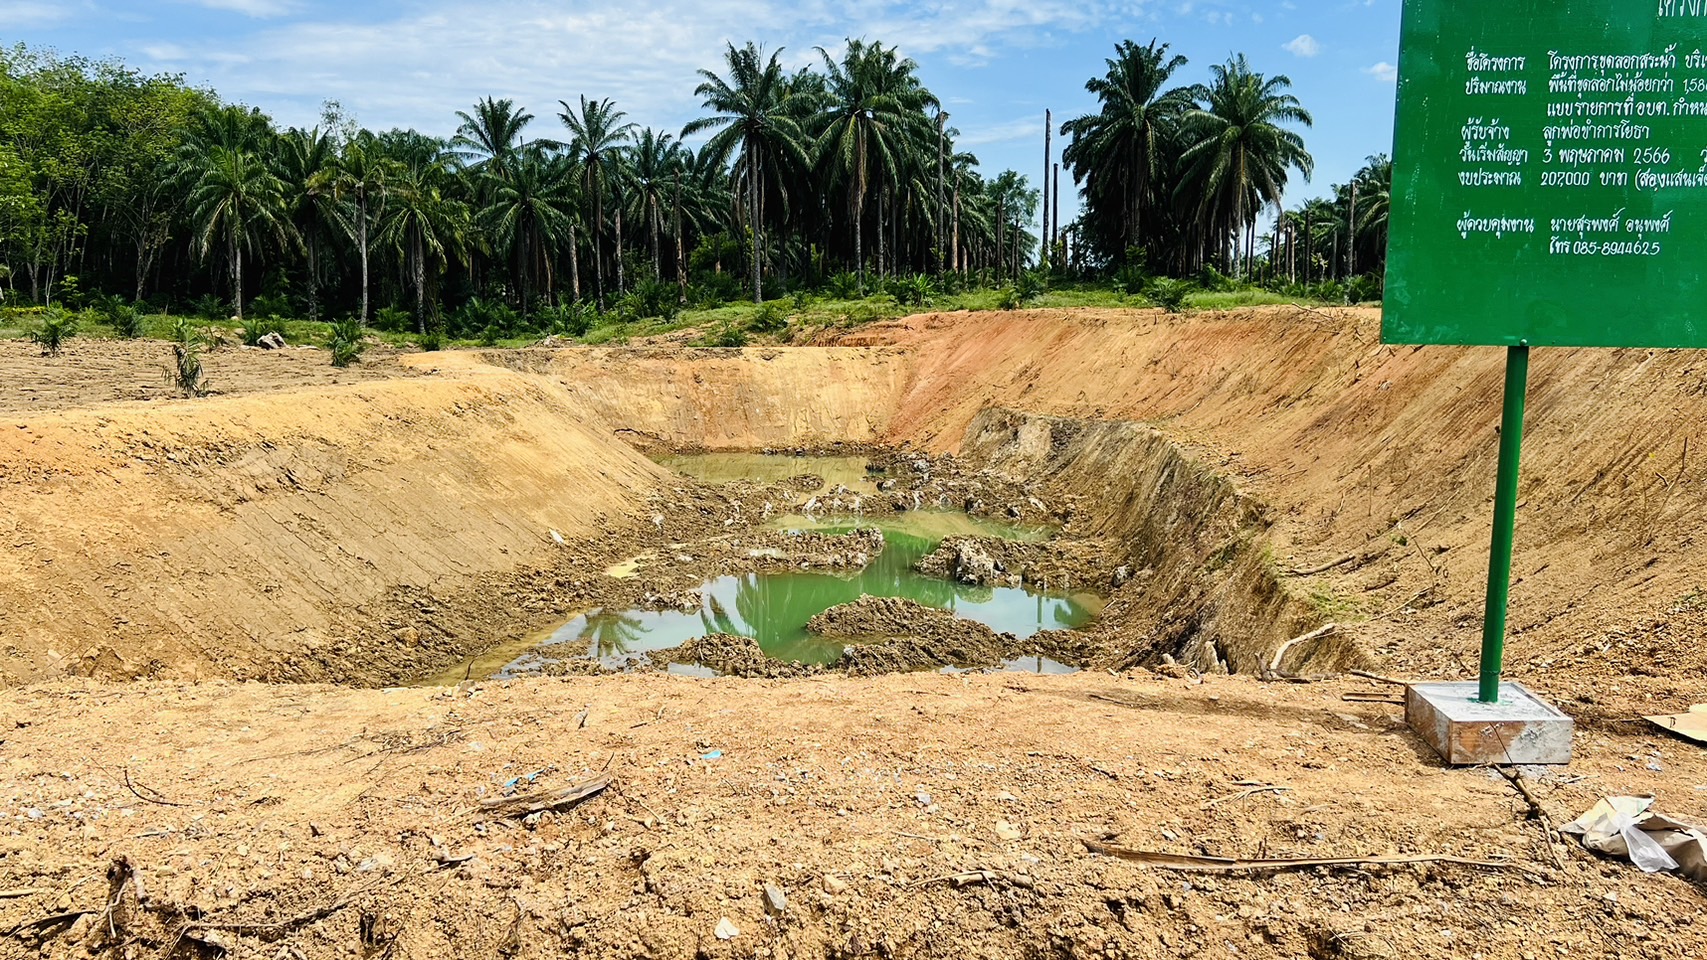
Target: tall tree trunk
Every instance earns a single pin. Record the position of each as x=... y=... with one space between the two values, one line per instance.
x=419 y=255
x=753 y=224
x=361 y=241
x=954 y=245
x=621 y=282
x=1048 y=159
x=598 y=245
x=237 y=274
x=859 y=209
x=574 y=263
x=657 y=258
x=1309 y=244
x=882 y=233
x=941 y=232
x=681 y=252
x=1351 y=234
x=1054 y=239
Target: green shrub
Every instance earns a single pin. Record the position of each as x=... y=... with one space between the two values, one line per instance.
x=392 y=319
x=186 y=373
x=1030 y=285
x=727 y=335
x=271 y=305
x=913 y=291
x=209 y=307
x=185 y=333
x=57 y=326
x=123 y=317
x=256 y=327
x=1131 y=279
x=650 y=298
x=844 y=286
x=769 y=318
x=801 y=300
x=1167 y=293
x=1007 y=298
x=1364 y=289
x=1215 y=281
x=347 y=342
x=570 y=319
x=431 y=340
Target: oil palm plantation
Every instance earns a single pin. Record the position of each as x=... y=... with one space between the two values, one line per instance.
x=1239 y=153
x=359 y=180
x=756 y=118
x=598 y=136
x=424 y=224
x=235 y=205
x=303 y=156
x=530 y=217
x=654 y=164
x=489 y=141
x=1118 y=155
x=872 y=128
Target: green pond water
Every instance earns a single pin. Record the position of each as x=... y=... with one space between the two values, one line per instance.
x=773 y=468
x=774 y=608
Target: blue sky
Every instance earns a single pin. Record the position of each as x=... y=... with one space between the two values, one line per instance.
x=996 y=64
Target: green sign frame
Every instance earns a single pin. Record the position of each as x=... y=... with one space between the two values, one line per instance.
x=1550 y=174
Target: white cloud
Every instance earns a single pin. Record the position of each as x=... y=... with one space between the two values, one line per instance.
x=1025 y=128
x=259 y=9
x=15 y=14
x=1303 y=45
x=1384 y=72
x=415 y=69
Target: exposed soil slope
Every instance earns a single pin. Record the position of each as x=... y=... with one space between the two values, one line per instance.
x=272 y=536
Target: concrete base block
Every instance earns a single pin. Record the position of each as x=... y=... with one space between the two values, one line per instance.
x=1520 y=729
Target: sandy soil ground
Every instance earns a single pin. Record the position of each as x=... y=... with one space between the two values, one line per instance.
x=905 y=816
x=91 y=371
x=388 y=522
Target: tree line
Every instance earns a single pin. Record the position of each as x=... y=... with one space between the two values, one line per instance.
x=840 y=174
x=1177 y=178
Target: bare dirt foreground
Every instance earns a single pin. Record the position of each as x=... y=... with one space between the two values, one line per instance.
x=1228 y=482
x=906 y=816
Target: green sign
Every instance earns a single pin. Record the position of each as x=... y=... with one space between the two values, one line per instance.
x=1550 y=174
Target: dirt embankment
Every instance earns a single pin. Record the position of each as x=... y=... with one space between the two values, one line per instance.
x=304 y=536
x=1296 y=472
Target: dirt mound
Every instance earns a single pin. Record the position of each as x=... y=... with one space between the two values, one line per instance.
x=893 y=635
x=733 y=657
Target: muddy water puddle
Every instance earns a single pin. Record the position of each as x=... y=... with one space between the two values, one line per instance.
x=773 y=609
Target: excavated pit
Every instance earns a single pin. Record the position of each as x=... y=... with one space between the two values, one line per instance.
x=1103 y=536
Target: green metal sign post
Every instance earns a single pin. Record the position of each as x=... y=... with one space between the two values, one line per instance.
x=1549 y=189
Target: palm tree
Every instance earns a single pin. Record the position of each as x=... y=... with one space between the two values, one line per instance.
x=359 y=180
x=874 y=120
x=753 y=114
x=1374 y=198
x=234 y=203
x=1238 y=155
x=490 y=139
x=531 y=215
x=654 y=163
x=597 y=137
x=302 y=157
x=1117 y=154
x=422 y=223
